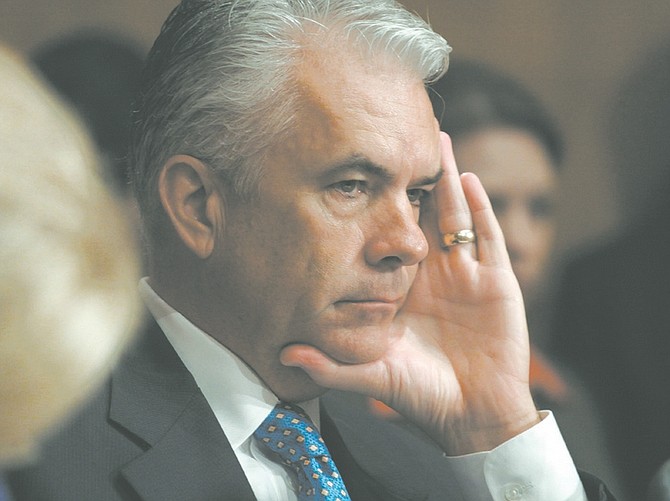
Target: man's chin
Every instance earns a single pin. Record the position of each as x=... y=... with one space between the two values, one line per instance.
x=295 y=385
x=359 y=346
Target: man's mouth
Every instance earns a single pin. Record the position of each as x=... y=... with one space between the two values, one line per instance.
x=372 y=309
x=391 y=300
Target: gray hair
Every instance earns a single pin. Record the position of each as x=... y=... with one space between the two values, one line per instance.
x=219 y=83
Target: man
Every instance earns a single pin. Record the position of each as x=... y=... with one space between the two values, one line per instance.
x=307 y=229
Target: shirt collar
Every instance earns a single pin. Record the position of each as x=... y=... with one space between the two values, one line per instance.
x=239 y=398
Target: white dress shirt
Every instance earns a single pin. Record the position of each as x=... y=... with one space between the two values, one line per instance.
x=237 y=396
x=534 y=465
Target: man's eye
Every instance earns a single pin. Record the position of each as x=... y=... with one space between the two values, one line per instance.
x=351 y=187
x=417 y=196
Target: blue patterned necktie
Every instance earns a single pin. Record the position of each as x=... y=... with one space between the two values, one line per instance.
x=291 y=435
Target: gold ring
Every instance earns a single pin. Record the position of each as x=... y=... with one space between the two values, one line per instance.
x=459 y=237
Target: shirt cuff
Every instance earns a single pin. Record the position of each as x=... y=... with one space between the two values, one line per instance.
x=533 y=466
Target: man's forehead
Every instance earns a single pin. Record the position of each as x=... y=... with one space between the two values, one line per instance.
x=344 y=73
x=341 y=89
x=318 y=129
x=347 y=105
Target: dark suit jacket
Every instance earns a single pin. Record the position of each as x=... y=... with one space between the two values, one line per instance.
x=150 y=435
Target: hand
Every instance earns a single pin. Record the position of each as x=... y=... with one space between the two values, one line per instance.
x=459 y=366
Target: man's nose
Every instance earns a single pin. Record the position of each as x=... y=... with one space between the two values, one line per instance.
x=396 y=239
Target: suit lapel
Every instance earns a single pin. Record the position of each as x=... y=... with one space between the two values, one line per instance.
x=390 y=460
x=374 y=457
x=187 y=456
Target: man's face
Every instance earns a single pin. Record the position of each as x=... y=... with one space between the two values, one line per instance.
x=327 y=252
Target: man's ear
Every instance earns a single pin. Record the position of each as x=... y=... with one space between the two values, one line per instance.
x=189 y=196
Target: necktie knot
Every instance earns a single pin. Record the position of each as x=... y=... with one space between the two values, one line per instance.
x=292 y=437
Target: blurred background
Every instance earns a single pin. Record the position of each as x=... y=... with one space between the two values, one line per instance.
x=574 y=55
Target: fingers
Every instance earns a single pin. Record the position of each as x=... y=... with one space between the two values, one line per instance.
x=490 y=241
x=462 y=204
x=452 y=206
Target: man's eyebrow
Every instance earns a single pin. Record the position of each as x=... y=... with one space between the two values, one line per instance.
x=361 y=164
x=428 y=180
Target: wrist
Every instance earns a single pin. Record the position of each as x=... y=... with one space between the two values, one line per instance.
x=479 y=432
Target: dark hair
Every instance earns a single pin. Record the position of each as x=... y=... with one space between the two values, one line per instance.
x=99 y=75
x=472 y=96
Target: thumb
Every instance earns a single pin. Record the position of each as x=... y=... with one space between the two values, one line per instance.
x=330 y=373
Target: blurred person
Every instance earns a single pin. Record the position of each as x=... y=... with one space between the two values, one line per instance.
x=613 y=305
x=502 y=133
x=308 y=231
x=68 y=266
